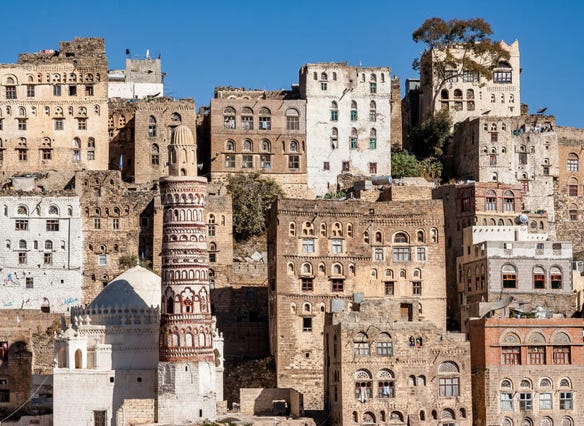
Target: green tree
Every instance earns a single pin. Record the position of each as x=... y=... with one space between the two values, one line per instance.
x=403 y=164
x=253 y=195
x=455 y=48
x=428 y=138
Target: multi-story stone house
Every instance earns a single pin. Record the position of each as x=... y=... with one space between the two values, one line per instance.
x=511 y=150
x=53 y=110
x=140 y=132
x=569 y=187
x=41 y=255
x=114 y=227
x=259 y=130
x=478 y=204
x=465 y=94
x=506 y=264
x=527 y=371
x=324 y=251
x=387 y=370
x=16 y=364
x=349 y=116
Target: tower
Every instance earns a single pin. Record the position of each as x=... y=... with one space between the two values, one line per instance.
x=190 y=357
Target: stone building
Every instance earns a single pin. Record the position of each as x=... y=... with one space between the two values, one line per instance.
x=325 y=251
x=53 y=110
x=349 y=116
x=140 y=79
x=41 y=256
x=140 y=132
x=219 y=219
x=388 y=370
x=506 y=264
x=259 y=130
x=512 y=150
x=16 y=362
x=466 y=95
x=527 y=371
x=569 y=188
x=482 y=204
x=116 y=227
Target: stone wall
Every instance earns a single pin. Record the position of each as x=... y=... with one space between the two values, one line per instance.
x=136 y=411
x=307 y=274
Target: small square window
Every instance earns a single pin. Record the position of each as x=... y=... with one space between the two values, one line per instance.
x=29 y=282
x=102 y=259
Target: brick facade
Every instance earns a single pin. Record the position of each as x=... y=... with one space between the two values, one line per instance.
x=325 y=251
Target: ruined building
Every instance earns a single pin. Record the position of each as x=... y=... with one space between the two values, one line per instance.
x=324 y=252
x=385 y=369
x=53 y=110
x=259 y=130
x=349 y=116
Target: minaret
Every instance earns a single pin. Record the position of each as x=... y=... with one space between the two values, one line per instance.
x=187 y=377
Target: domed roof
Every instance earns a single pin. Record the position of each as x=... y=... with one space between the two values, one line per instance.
x=183 y=136
x=135 y=288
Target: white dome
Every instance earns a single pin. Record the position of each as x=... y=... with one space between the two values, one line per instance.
x=136 y=288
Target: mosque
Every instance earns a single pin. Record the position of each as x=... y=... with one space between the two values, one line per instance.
x=146 y=349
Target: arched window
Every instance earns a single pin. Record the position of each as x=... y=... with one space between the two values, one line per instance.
x=538 y=278
x=266 y=145
x=372 y=111
x=449 y=380
x=337 y=269
x=265 y=119
x=555 y=278
x=292 y=119
x=353 y=111
x=334 y=111
x=353 y=139
x=508 y=201
x=229 y=118
x=373 y=139
x=293 y=146
x=385 y=384
x=509 y=275
x=469 y=94
x=292 y=229
x=363 y=385
x=572 y=163
x=247 y=145
x=337 y=229
x=22 y=244
x=573 y=187
x=360 y=345
x=151 y=127
x=400 y=238
x=306 y=269
x=155 y=155
x=444 y=94
x=247 y=118
x=229 y=146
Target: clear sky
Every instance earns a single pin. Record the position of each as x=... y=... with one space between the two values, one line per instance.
x=262 y=43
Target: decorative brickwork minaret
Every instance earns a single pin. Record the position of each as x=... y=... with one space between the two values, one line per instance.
x=187 y=373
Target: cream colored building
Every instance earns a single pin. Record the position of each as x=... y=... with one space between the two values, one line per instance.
x=53 y=110
x=467 y=95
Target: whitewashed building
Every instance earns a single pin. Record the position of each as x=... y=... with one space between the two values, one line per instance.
x=140 y=78
x=348 y=122
x=41 y=252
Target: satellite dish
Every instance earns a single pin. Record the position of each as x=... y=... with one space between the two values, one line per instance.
x=523 y=218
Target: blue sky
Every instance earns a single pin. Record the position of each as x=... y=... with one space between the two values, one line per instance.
x=262 y=44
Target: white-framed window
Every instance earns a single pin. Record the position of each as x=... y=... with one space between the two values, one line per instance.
x=102 y=259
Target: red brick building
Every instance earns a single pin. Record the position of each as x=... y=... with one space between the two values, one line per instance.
x=527 y=371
